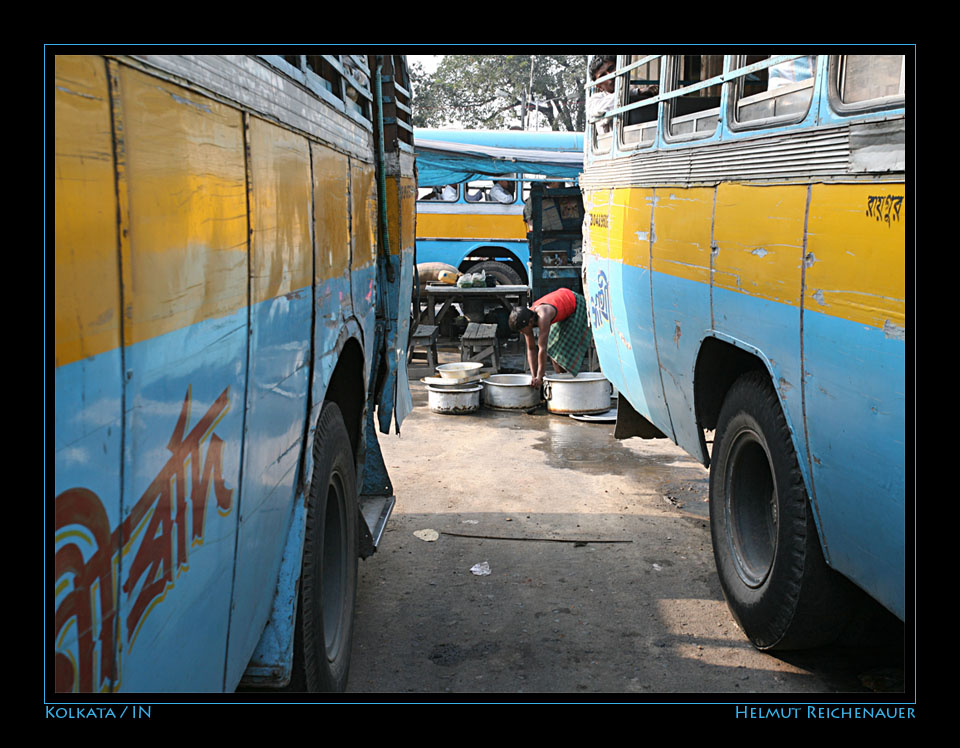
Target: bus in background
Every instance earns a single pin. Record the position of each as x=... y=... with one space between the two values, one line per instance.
x=233 y=270
x=472 y=185
x=744 y=260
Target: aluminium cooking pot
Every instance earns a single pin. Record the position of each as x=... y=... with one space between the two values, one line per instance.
x=454 y=401
x=588 y=392
x=510 y=392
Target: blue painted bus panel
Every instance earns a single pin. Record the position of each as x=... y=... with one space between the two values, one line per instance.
x=333 y=326
x=857 y=449
x=622 y=336
x=363 y=284
x=184 y=422
x=681 y=310
x=773 y=335
x=396 y=402
x=87 y=486
x=455 y=252
x=276 y=413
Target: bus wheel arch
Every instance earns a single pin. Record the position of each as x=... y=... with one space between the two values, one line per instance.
x=346 y=389
x=766 y=547
x=719 y=365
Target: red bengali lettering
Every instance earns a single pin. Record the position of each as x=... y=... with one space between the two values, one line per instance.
x=164 y=541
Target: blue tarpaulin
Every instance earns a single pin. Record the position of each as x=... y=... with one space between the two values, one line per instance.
x=443 y=160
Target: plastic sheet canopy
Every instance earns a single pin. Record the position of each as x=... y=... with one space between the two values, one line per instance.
x=442 y=162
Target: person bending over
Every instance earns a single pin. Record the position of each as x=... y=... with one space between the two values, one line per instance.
x=561 y=318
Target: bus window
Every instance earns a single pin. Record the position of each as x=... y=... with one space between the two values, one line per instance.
x=401 y=89
x=601 y=99
x=696 y=112
x=640 y=80
x=324 y=73
x=782 y=91
x=357 y=81
x=476 y=192
x=866 y=81
x=502 y=191
x=441 y=193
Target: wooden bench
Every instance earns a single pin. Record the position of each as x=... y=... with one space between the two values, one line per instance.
x=479 y=342
x=425 y=336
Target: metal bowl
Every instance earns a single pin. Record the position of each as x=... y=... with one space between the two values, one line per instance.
x=460 y=369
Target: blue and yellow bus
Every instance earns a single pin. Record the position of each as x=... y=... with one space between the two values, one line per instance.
x=233 y=268
x=472 y=188
x=744 y=258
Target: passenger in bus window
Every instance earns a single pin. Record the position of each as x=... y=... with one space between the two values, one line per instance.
x=474 y=197
x=602 y=99
x=447 y=193
x=502 y=192
x=564 y=332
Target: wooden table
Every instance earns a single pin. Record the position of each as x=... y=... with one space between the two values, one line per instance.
x=433 y=294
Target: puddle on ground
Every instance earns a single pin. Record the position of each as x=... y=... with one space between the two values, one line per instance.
x=591 y=448
x=573 y=444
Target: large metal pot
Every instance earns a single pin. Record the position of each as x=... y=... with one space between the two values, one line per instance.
x=588 y=392
x=510 y=392
x=454 y=401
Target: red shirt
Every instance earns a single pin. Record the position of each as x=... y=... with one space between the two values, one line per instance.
x=563 y=300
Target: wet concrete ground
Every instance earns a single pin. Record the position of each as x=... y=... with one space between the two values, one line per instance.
x=601 y=577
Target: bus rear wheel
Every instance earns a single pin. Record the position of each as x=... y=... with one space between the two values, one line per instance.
x=771 y=567
x=328 y=582
x=505 y=275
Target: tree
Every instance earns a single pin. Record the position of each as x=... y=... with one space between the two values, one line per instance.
x=493 y=91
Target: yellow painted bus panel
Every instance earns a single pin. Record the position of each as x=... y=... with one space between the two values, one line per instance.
x=408 y=207
x=185 y=180
x=281 y=260
x=618 y=224
x=596 y=206
x=759 y=235
x=86 y=275
x=856 y=266
x=470 y=226
x=330 y=190
x=363 y=193
x=400 y=212
x=683 y=220
x=630 y=221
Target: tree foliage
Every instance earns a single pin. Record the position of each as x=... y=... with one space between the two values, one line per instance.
x=490 y=91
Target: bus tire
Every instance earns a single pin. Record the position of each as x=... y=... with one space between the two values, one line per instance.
x=767 y=550
x=328 y=581
x=505 y=275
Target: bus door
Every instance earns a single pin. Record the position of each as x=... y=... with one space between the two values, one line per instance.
x=555 y=220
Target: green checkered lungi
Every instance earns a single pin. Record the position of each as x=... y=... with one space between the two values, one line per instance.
x=568 y=341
